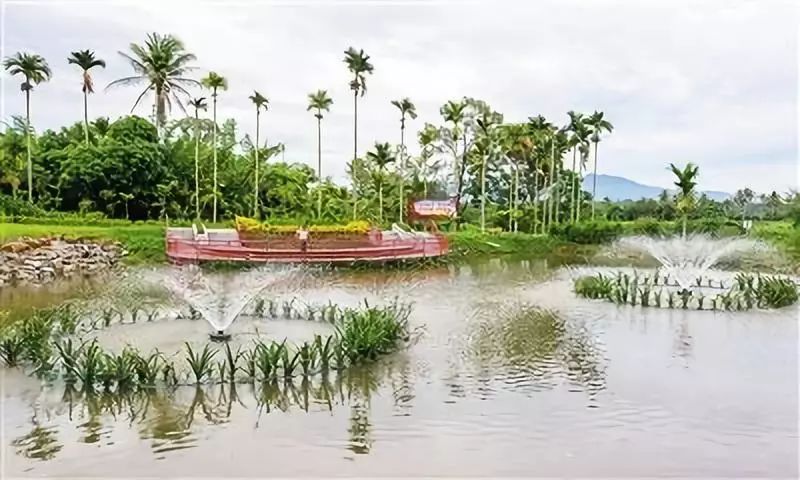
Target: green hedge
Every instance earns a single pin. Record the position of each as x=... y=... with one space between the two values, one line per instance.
x=587 y=233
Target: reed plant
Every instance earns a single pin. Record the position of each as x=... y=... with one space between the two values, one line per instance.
x=200 y=363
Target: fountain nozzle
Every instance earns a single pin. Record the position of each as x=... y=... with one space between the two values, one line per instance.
x=219 y=336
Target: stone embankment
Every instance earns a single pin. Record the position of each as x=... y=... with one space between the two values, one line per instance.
x=41 y=260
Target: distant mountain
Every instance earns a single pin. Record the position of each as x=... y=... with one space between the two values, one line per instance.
x=620 y=188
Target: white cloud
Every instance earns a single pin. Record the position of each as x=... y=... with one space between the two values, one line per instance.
x=710 y=82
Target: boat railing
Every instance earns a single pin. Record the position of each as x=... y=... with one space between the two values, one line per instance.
x=188 y=246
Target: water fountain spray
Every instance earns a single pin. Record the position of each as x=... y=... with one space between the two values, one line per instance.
x=220 y=297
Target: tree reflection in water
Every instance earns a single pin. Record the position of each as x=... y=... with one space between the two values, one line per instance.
x=527 y=348
x=171 y=417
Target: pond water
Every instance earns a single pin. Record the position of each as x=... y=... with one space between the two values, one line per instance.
x=491 y=387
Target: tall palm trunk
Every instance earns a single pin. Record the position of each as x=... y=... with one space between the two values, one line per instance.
x=535 y=196
x=255 y=150
x=380 y=196
x=579 y=195
x=28 y=141
x=572 y=192
x=511 y=204
x=557 y=215
x=516 y=197
x=86 y=116
x=594 y=181
x=483 y=194
x=319 y=162
x=355 y=153
x=462 y=167
x=214 y=143
x=550 y=195
x=196 y=165
x=402 y=163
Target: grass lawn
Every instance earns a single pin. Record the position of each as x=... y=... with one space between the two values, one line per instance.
x=145 y=243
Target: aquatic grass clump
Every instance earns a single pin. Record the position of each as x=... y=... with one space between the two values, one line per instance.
x=775 y=292
x=361 y=334
x=748 y=291
x=200 y=363
x=366 y=333
x=594 y=286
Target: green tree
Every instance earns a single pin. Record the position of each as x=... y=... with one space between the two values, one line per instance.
x=86 y=60
x=406 y=108
x=598 y=125
x=35 y=70
x=260 y=101
x=488 y=149
x=358 y=64
x=381 y=157
x=198 y=104
x=214 y=82
x=319 y=101
x=427 y=138
x=579 y=135
x=686 y=181
x=161 y=64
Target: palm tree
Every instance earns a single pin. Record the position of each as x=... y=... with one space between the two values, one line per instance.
x=35 y=70
x=358 y=64
x=86 y=60
x=198 y=104
x=215 y=82
x=160 y=64
x=454 y=112
x=487 y=149
x=519 y=146
x=381 y=157
x=427 y=136
x=578 y=129
x=686 y=183
x=321 y=102
x=598 y=125
x=259 y=101
x=406 y=108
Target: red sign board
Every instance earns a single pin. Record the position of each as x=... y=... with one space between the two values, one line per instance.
x=433 y=209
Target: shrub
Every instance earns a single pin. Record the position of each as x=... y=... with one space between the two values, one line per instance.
x=595 y=286
x=372 y=331
x=648 y=226
x=588 y=232
x=775 y=292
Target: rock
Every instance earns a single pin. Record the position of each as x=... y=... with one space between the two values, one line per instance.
x=15 y=247
x=42 y=260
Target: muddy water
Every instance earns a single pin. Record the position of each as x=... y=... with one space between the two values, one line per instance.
x=490 y=388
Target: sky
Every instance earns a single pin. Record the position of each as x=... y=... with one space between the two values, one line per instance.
x=708 y=82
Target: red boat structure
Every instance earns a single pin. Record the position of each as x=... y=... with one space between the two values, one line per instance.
x=187 y=245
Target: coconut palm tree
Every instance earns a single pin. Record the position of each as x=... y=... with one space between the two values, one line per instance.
x=578 y=131
x=686 y=181
x=519 y=147
x=406 y=108
x=427 y=138
x=488 y=148
x=320 y=102
x=161 y=65
x=584 y=149
x=381 y=157
x=215 y=82
x=198 y=104
x=86 y=60
x=35 y=70
x=358 y=64
x=598 y=125
x=260 y=101
x=542 y=132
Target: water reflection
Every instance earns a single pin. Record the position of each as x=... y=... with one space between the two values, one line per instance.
x=171 y=418
x=527 y=348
